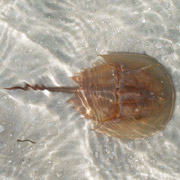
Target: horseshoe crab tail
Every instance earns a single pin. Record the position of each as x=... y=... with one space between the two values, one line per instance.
x=42 y=87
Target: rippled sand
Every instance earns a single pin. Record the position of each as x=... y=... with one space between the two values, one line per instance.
x=45 y=42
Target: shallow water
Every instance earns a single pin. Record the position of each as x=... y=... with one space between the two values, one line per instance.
x=45 y=42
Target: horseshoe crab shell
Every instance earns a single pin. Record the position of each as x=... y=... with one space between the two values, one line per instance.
x=148 y=102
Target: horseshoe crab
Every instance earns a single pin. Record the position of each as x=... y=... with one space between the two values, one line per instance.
x=128 y=96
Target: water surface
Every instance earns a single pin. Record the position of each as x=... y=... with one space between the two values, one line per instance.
x=46 y=42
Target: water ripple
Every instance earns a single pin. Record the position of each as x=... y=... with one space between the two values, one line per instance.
x=46 y=42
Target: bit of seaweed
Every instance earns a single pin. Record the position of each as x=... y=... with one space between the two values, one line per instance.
x=26 y=140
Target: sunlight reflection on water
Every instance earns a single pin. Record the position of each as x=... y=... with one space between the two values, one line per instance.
x=45 y=42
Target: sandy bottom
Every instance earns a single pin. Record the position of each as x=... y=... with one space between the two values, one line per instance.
x=46 y=42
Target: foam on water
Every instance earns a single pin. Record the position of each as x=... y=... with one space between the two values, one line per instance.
x=45 y=42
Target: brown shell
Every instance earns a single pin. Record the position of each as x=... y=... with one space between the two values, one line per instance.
x=128 y=96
